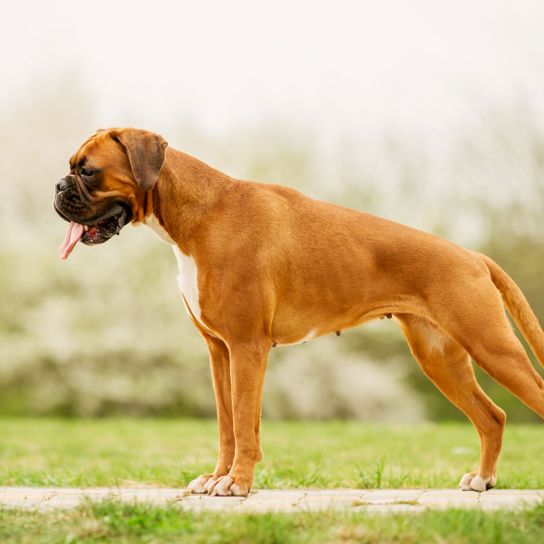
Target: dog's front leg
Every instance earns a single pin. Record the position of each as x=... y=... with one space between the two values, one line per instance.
x=247 y=368
x=220 y=368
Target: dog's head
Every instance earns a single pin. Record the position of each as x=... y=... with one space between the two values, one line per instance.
x=105 y=189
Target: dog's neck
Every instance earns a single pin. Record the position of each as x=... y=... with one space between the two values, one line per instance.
x=195 y=186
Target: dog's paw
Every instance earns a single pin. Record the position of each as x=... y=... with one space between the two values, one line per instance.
x=472 y=481
x=209 y=485
x=198 y=485
x=225 y=486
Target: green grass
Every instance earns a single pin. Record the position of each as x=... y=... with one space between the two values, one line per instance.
x=117 y=522
x=125 y=452
x=46 y=452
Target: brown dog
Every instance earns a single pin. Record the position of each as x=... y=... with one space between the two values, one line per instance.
x=262 y=265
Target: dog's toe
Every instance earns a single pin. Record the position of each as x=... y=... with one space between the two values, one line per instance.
x=198 y=485
x=226 y=486
x=472 y=481
x=464 y=484
x=222 y=487
x=209 y=485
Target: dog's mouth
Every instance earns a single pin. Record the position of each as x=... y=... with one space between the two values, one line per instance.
x=95 y=230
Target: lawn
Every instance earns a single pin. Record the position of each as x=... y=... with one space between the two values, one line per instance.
x=130 y=452
x=116 y=522
x=115 y=452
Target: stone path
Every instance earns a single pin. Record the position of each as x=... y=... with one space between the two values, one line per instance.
x=300 y=500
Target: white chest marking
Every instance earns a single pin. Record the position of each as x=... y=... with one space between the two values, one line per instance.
x=187 y=277
x=188 y=281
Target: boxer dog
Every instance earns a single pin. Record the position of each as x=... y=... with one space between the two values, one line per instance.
x=263 y=265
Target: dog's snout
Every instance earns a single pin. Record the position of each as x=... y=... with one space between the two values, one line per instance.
x=61 y=185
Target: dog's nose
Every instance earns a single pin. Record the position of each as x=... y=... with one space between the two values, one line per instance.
x=61 y=185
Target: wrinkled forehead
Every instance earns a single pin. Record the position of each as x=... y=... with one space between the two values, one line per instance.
x=96 y=152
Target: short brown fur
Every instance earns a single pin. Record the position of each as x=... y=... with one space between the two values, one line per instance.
x=274 y=265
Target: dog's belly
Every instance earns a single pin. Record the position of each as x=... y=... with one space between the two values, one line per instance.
x=296 y=323
x=292 y=339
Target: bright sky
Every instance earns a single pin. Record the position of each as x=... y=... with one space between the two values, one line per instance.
x=337 y=65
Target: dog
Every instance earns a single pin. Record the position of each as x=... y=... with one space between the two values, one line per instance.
x=263 y=265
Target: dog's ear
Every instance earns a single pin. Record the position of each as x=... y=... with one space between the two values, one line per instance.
x=145 y=151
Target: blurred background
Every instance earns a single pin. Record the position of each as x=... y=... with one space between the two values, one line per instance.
x=427 y=113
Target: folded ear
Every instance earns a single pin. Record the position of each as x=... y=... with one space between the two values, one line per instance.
x=145 y=152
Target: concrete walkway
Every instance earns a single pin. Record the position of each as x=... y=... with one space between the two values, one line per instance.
x=299 y=500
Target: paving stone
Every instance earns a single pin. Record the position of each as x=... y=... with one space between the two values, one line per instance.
x=451 y=493
x=325 y=501
x=514 y=501
x=59 y=503
x=154 y=496
x=292 y=500
x=267 y=506
x=389 y=496
x=510 y=492
x=209 y=503
x=204 y=499
x=272 y=501
x=450 y=503
x=24 y=493
x=269 y=500
x=449 y=499
x=284 y=495
x=336 y=492
x=391 y=508
x=331 y=498
x=311 y=506
x=21 y=504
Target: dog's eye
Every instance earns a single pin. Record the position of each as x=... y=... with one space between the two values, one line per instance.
x=85 y=173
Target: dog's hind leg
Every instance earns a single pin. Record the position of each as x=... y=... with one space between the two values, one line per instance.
x=504 y=359
x=478 y=322
x=447 y=364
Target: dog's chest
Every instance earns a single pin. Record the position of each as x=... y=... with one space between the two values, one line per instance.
x=187 y=276
x=188 y=281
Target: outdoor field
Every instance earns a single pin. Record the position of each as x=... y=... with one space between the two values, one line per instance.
x=129 y=452
x=357 y=185
x=139 y=523
x=170 y=453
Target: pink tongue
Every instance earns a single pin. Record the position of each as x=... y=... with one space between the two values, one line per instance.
x=75 y=232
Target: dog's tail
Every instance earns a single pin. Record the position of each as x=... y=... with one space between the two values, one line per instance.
x=518 y=307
